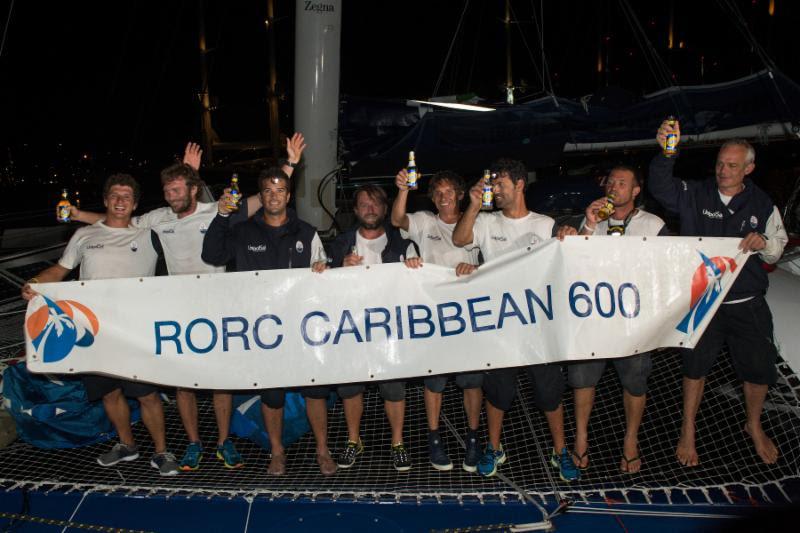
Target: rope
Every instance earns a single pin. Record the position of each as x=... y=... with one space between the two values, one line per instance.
x=5 y=30
x=67 y=523
x=450 y=50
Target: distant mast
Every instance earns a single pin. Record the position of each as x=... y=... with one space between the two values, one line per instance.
x=316 y=103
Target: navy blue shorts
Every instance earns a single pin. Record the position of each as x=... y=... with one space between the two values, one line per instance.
x=746 y=328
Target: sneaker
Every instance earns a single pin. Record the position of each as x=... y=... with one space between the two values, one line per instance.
x=120 y=452
x=491 y=459
x=348 y=456
x=566 y=466
x=473 y=454
x=400 y=458
x=165 y=463
x=227 y=454
x=191 y=459
x=439 y=459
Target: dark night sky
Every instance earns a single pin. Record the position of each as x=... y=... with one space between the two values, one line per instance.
x=100 y=76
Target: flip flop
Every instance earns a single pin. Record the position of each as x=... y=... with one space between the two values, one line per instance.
x=628 y=462
x=580 y=459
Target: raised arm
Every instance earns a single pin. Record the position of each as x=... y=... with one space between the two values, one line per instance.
x=399 y=216
x=665 y=187
x=193 y=155
x=218 y=241
x=463 y=234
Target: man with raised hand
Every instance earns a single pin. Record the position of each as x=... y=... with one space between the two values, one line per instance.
x=373 y=240
x=434 y=236
x=274 y=238
x=114 y=249
x=497 y=233
x=624 y=186
x=181 y=227
x=729 y=205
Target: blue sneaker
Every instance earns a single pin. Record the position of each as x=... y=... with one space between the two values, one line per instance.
x=487 y=466
x=191 y=459
x=566 y=467
x=227 y=453
x=473 y=454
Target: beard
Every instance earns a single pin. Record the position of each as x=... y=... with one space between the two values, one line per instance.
x=378 y=223
x=181 y=206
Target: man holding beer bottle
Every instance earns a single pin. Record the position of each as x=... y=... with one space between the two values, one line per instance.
x=497 y=233
x=434 y=236
x=729 y=205
x=614 y=214
x=274 y=238
x=112 y=248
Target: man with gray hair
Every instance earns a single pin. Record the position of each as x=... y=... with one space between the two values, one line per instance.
x=730 y=205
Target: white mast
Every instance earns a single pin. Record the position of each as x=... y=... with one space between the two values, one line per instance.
x=316 y=102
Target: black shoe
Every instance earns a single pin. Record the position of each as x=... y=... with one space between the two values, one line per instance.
x=439 y=458
x=347 y=457
x=400 y=458
x=473 y=454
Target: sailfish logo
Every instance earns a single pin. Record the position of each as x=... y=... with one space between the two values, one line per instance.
x=706 y=288
x=57 y=327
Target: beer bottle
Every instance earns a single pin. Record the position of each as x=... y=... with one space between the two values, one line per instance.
x=607 y=209
x=411 y=181
x=63 y=207
x=236 y=193
x=488 y=196
x=671 y=142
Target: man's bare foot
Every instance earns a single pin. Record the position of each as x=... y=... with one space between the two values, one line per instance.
x=765 y=448
x=580 y=453
x=277 y=465
x=630 y=463
x=686 y=452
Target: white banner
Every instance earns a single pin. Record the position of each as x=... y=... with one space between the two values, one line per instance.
x=582 y=298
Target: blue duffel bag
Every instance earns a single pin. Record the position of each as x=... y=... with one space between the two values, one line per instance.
x=51 y=411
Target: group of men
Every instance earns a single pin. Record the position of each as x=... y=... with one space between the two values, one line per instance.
x=196 y=237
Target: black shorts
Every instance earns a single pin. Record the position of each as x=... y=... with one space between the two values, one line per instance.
x=500 y=386
x=746 y=328
x=98 y=386
x=276 y=398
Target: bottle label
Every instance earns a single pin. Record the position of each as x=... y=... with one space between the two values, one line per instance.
x=488 y=197
x=671 y=144
x=63 y=212
x=412 y=177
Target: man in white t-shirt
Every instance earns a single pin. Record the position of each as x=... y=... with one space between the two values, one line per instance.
x=498 y=233
x=624 y=184
x=434 y=236
x=181 y=227
x=372 y=241
x=114 y=249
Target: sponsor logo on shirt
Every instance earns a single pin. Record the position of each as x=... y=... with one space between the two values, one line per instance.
x=257 y=248
x=171 y=230
x=712 y=214
x=203 y=228
x=134 y=246
x=433 y=237
x=94 y=246
x=499 y=238
x=299 y=247
x=753 y=222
